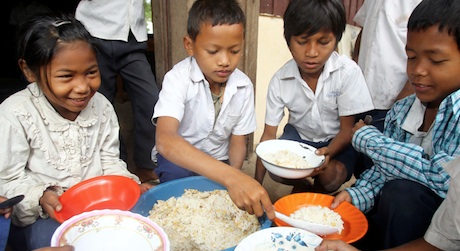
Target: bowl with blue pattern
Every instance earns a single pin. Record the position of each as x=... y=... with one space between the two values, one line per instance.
x=280 y=239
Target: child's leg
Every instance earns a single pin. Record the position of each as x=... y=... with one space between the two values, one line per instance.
x=168 y=171
x=299 y=185
x=402 y=213
x=339 y=171
x=331 y=179
x=4 y=230
x=289 y=132
x=34 y=236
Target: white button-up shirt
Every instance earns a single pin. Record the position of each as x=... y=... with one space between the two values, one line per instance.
x=113 y=19
x=40 y=148
x=341 y=91
x=186 y=96
x=382 y=55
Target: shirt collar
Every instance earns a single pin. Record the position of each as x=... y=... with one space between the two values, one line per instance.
x=414 y=117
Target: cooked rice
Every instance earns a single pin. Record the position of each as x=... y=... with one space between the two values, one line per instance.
x=203 y=220
x=287 y=158
x=320 y=215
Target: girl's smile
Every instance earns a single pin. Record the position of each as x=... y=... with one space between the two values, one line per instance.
x=72 y=79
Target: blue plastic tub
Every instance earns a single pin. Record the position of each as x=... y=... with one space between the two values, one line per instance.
x=176 y=188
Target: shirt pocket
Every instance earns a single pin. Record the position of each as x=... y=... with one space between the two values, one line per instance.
x=224 y=127
x=329 y=111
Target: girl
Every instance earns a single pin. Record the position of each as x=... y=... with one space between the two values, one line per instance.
x=58 y=131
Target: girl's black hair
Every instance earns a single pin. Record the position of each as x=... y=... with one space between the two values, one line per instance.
x=38 y=39
x=312 y=16
x=443 y=13
x=216 y=12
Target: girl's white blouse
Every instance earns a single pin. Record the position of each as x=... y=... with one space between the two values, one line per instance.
x=40 y=148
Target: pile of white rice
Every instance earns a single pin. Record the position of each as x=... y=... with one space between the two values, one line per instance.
x=203 y=220
x=320 y=215
x=287 y=158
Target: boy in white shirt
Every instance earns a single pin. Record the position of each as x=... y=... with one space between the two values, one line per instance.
x=206 y=107
x=322 y=91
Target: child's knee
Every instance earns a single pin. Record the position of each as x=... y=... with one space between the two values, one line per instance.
x=333 y=177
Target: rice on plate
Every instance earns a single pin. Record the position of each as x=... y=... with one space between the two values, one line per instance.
x=203 y=220
x=287 y=158
x=320 y=215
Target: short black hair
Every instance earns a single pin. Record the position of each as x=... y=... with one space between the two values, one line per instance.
x=442 y=13
x=312 y=16
x=216 y=12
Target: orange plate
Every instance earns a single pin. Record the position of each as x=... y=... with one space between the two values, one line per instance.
x=102 y=192
x=354 y=221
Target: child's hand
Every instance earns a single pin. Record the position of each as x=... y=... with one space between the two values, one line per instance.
x=50 y=203
x=335 y=245
x=358 y=125
x=321 y=151
x=63 y=248
x=249 y=195
x=6 y=212
x=145 y=186
x=339 y=198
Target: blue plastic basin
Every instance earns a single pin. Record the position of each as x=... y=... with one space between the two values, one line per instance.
x=176 y=188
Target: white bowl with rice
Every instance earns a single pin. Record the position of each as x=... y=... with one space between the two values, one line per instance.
x=288 y=159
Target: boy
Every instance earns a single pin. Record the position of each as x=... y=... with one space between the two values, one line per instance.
x=206 y=107
x=321 y=90
x=443 y=232
x=422 y=132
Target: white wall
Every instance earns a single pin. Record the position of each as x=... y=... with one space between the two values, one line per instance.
x=272 y=53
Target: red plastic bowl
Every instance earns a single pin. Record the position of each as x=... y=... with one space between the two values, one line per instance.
x=102 y=192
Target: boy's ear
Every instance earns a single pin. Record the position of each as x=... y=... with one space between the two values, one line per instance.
x=26 y=71
x=188 y=44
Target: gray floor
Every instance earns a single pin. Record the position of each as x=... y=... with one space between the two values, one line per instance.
x=123 y=108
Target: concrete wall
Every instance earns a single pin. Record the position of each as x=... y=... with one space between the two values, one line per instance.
x=272 y=53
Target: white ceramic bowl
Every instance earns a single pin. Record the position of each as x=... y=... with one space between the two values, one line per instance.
x=109 y=229
x=306 y=151
x=280 y=238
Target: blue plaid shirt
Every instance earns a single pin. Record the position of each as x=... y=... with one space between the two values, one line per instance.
x=395 y=158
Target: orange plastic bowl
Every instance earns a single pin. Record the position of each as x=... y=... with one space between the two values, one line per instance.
x=102 y=192
x=354 y=221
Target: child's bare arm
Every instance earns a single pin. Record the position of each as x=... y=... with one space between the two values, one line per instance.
x=343 y=137
x=245 y=192
x=269 y=133
x=237 y=150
